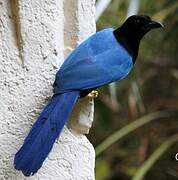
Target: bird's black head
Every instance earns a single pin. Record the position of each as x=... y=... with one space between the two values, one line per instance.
x=133 y=30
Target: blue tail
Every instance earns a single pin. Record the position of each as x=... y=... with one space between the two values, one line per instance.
x=44 y=132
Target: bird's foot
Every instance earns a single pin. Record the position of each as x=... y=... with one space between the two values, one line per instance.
x=93 y=94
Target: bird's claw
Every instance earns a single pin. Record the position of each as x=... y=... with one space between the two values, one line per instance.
x=93 y=94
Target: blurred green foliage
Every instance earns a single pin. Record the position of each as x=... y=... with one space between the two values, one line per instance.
x=156 y=89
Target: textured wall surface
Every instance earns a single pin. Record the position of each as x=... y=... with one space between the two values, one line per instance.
x=35 y=36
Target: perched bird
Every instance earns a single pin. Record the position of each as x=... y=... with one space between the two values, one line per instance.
x=104 y=57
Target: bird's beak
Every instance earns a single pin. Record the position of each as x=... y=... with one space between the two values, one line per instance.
x=154 y=25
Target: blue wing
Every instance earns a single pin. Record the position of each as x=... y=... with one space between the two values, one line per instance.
x=97 y=61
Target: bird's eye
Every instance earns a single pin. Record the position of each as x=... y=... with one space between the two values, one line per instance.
x=137 y=21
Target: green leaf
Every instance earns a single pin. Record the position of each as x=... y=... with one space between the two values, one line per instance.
x=161 y=15
x=154 y=157
x=102 y=169
x=129 y=128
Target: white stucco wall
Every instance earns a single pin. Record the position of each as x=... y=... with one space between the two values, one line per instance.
x=35 y=36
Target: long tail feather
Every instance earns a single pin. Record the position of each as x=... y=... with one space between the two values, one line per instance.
x=44 y=132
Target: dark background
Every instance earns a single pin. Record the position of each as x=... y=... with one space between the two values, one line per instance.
x=152 y=86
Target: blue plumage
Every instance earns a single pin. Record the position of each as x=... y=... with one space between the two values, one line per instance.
x=97 y=61
x=44 y=132
x=104 y=57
